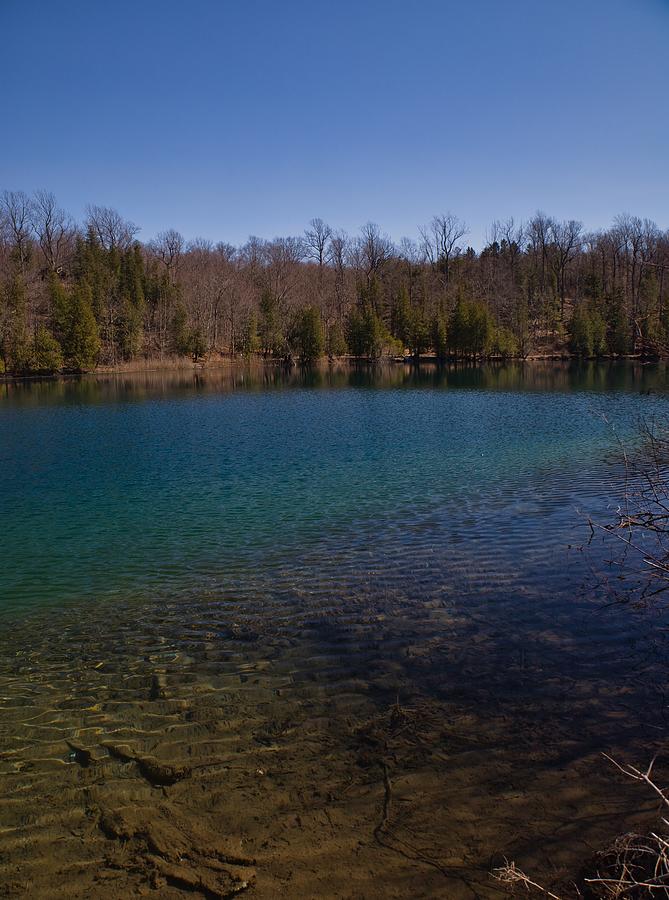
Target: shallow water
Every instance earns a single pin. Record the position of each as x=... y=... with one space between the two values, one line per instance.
x=354 y=604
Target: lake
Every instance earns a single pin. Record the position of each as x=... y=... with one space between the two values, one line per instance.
x=328 y=633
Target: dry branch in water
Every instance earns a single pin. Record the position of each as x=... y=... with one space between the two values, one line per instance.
x=642 y=523
x=510 y=875
x=634 y=866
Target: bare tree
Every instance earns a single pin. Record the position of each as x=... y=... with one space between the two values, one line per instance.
x=440 y=241
x=538 y=234
x=372 y=249
x=637 y=237
x=53 y=227
x=113 y=231
x=168 y=248
x=567 y=241
x=16 y=207
x=281 y=259
x=316 y=239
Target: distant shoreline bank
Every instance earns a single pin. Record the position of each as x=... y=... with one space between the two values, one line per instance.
x=185 y=364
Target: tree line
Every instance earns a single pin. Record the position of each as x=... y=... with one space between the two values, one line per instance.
x=76 y=295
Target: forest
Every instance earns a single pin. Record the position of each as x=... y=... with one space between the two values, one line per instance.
x=74 y=296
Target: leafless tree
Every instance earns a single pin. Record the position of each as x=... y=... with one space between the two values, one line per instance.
x=53 y=227
x=168 y=247
x=316 y=239
x=567 y=241
x=372 y=249
x=16 y=208
x=281 y=259
x=113 y=231
x=440 y=240
x=638 y=239
x=538 y=235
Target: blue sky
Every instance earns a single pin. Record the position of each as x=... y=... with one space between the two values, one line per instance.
x=227 y=119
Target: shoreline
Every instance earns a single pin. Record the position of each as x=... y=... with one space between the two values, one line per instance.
x=183 y=364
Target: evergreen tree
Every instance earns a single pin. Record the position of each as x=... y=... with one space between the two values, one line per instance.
x=588 y=332
x=365 y=332
x=310 y=338
x=75 y=325
x=180 y=333
x=271 y=337
x=355 y=332
x=198 y=345
x=14 y=343
x=400 y=321
x=503 y=342
x=46 y=356
x=129 y=325
x=440 y=336
x=418 y=332
x=618 y=333
x=336 y=341
x=250 y=342
x=470 y=328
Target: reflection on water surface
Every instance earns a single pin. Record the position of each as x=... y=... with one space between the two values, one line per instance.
x=317 y=632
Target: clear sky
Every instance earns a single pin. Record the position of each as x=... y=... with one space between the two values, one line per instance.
x=225 y=119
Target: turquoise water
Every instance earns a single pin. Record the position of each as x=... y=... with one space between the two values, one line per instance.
x=178 y=483
x=306 y=588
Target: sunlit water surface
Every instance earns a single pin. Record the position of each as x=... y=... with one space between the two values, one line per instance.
x=368 y=585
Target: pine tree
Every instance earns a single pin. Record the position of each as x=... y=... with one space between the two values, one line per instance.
x=400 y=320
x=75 y=325
x=14 y=343
x=618 y=332
x=250 y=337
x=46 y=356
x=198 y=345
x=271 y=337
x=440 y=335
x=180 y=333
x=310 y=339
x=588 y=331
x=336 y=341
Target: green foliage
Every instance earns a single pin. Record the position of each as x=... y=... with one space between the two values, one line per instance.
x=336 y=341
x=409 y=324
x=250 y=342
x=310 y=339
x=618 y=337
x=440 y=335
x=113 y=299
x=75 y=325
x=593 y=288
x=588 y=332
x=184 y=340
x=129 y=322
x=271 y=336
x=401 y=316
x=198 y=345
x=180 y=333
x=14 y=343
x=470 y=328
x=370 y=293
x=649 y=293
x=365 y=334
x=503 y=342
x=129 y=329
x=46 y=356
